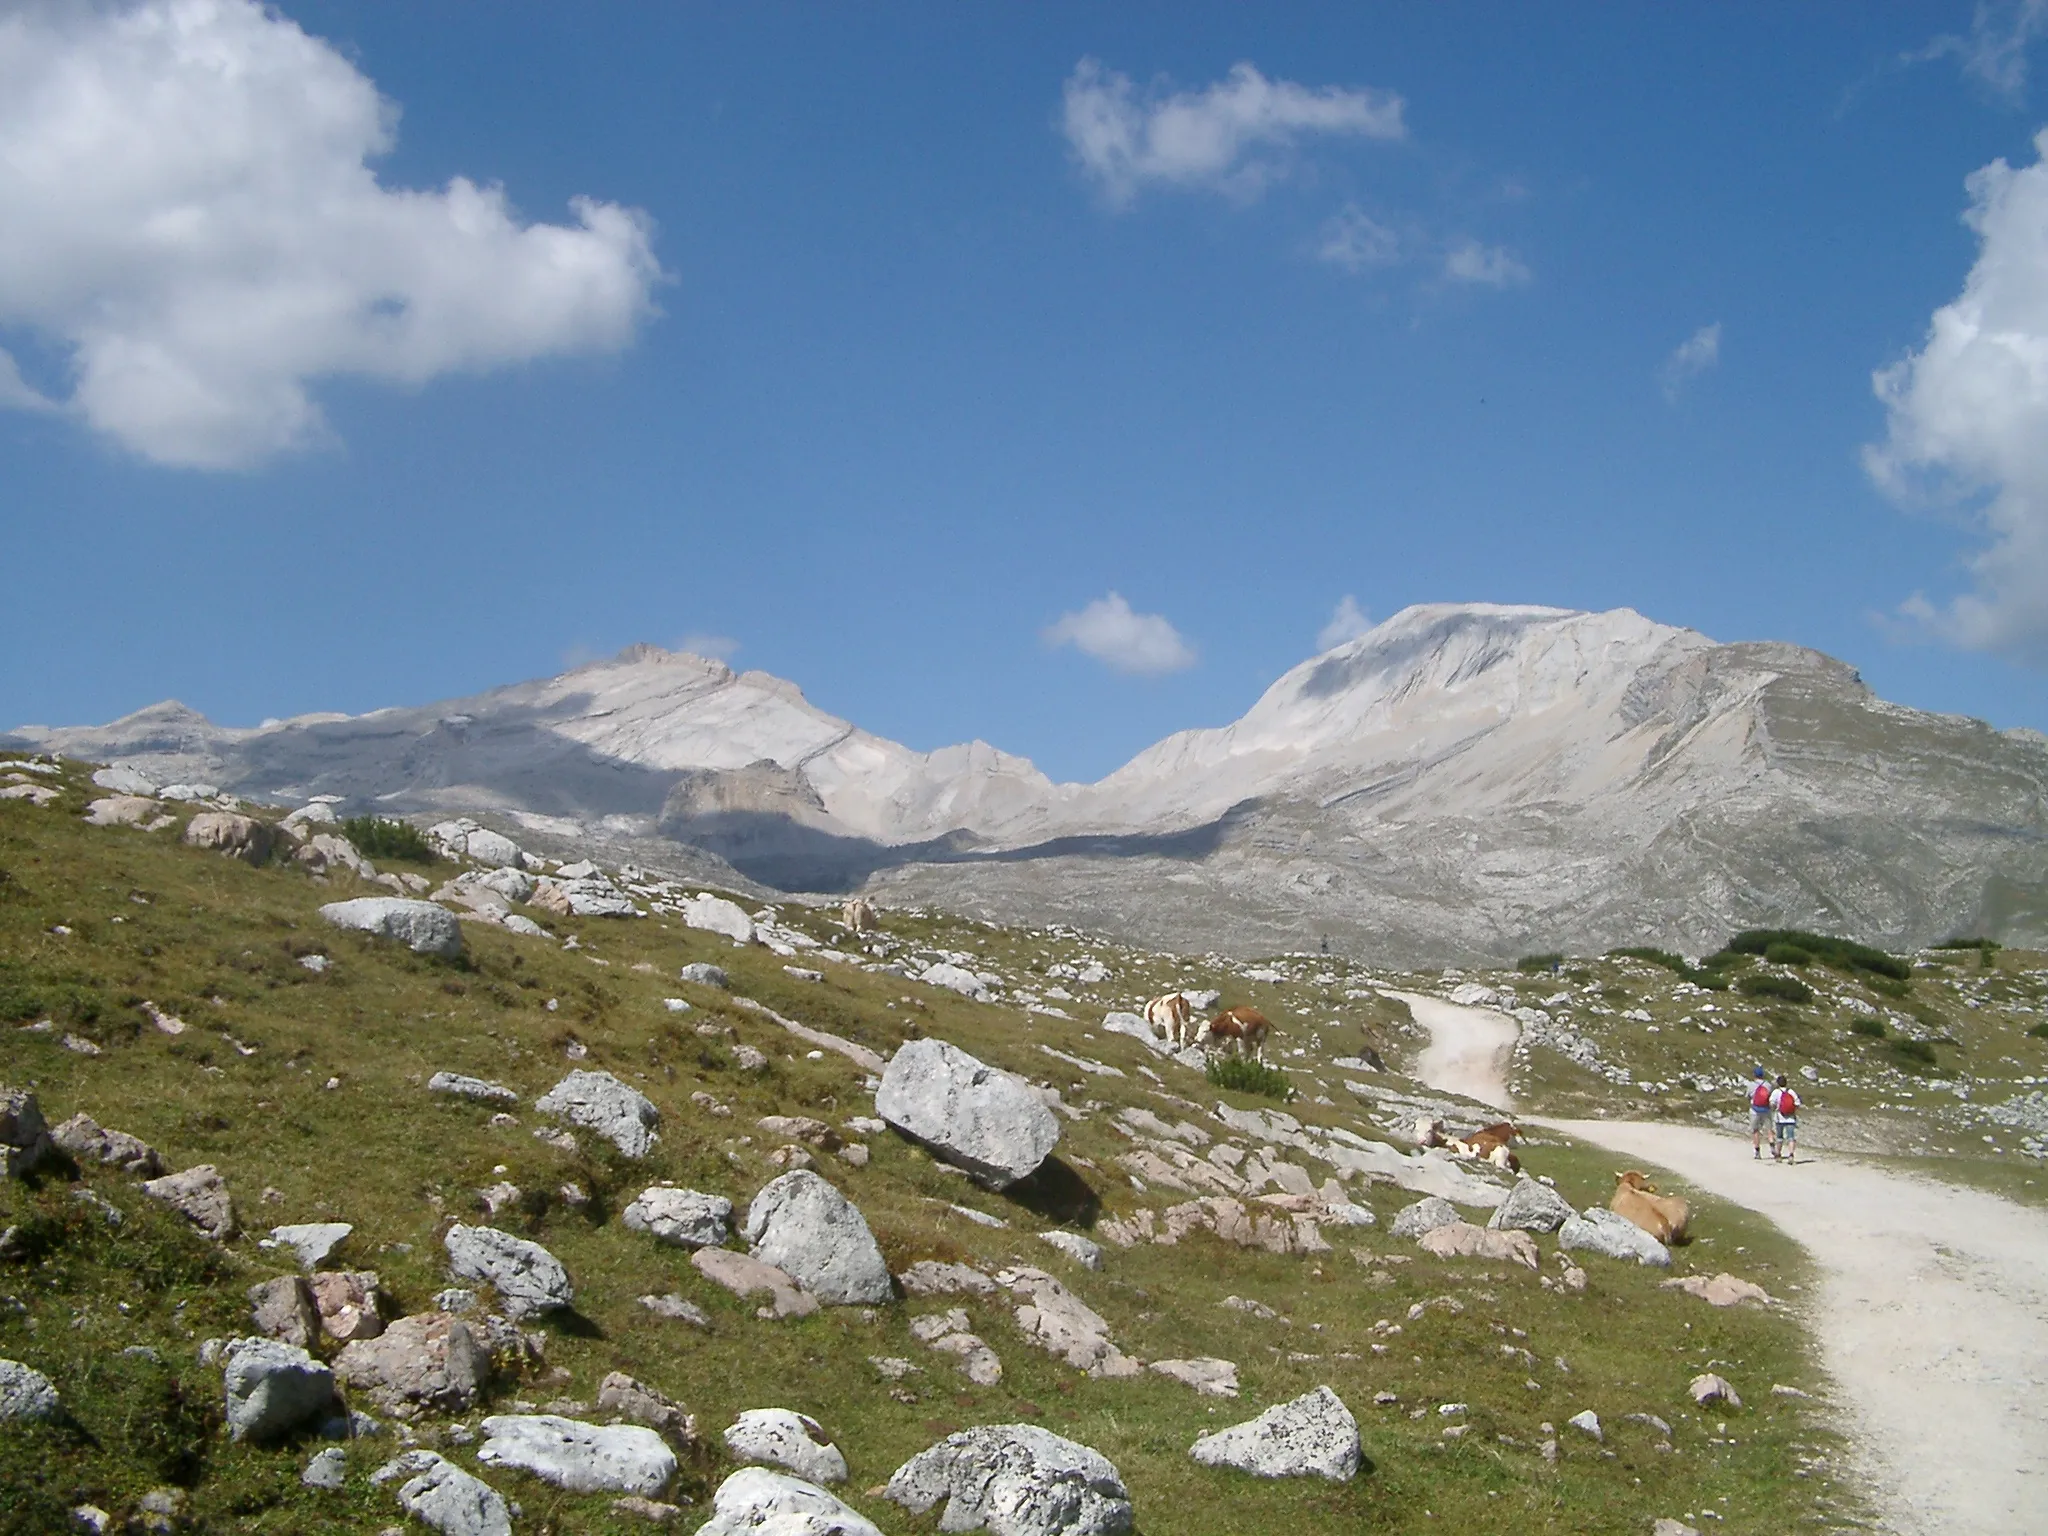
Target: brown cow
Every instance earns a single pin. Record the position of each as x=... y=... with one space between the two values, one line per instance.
x=1491 y=1144
x=1664 y=1217
x=1240 y=1030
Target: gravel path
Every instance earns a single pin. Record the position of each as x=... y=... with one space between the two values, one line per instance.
x=1931 y=1316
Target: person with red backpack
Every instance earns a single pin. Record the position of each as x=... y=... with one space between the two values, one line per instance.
x=1759 y=1114
x=1785 y=1121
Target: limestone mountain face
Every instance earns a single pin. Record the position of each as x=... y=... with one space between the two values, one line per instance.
x=1464 y=781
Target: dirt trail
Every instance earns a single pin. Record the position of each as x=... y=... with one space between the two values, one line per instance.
x=1932 y=1314
x=1468 y=1049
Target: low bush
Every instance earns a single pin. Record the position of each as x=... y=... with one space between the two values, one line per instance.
x=1787 y=989
x=2039 y=1032
x=1843 y=954
x=1246 y=1075
x=1966 y=944
x=1539 y=964
x=376 y=837
x=1914 y=1052
x=1787 y=954
x=1678 y=965
x=1870 y=1027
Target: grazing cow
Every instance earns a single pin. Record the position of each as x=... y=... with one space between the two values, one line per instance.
x=859 y=915
x=1241 y=1030
x=1172 y=1020
x=1664 y=1217
x=1491 y=1144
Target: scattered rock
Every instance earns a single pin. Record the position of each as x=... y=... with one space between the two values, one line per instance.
x=282 y=1309
x=326 y=1469
x=463 y=838
x=651 y=1510
x=24 y=1135
x=749 y=1058
x=1674 y=1528
x=1603 y=1232
x=127 y=811
x=200 y=1195
x=583 y=1458
x=810 y=1231
x=1723 y=1290
x=429 y=1361
x=325 y=850
x=471 y=1088
x=804 y=1128
x=1315 y=1435
x=1532 y=1207
x=440 y=1494
x=948 y=1333
x=1587 y=1422
x=347 y=1303
x=714 y=914
x=639 y=1403
x=704 y=975
x=757 y=1502
x=123 y=780
x=954 y=978
x=528 y=1278
x=935 y=1277
x=25 y=1393
x=1076 y=1247
x=1207 y=1375
x=792 y=1441
x=90 y=1143
x=1462 y=1240
x=1423 y=1216
x=240 y=837
x=687 y=1218
x=599 y=1102
x=745 y=1276
x=1015 y=1480
x=1060 y=1323
x=421 y=926
x=989 y=1122
x=677 y=1309
x=273 y=1388
x=1707 y=1389
x=310 y=1242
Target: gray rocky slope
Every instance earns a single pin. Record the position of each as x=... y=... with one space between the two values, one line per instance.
x=1463 y=781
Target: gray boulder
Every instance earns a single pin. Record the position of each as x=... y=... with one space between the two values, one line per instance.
x=1424 y=1215
x=807 y=1229
x=528 y=1278
x=124 y=781
x=89 y=1142
x=240 y=837
x=200 y=1195
x=421 y=926
x=24 y=1135
x=25 y=1393
x=1015 y=1480
x=1612 y=1236
x=273 y=1388
x=1313 y=1436
x=637 y=1403
x=757 y=1502
x=471 y=1088
x=326 y=1469
x=440 y=1494
x=687 y=1218
x=792 y=1441
x=311 y=1241
x=583 y=1458
x=714 y=914
x=704 y=976
x=429 y=1361
x=282 y=1309
x=600 y=1102
x=986 y=1121
x=1532 y=1207
x=954 y=978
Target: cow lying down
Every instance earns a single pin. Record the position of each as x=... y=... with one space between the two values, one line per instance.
x=1664 y=1217
x=1489 y=1144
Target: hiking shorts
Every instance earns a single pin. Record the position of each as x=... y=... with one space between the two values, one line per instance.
x=1788 y=1130
x=1759 y=1120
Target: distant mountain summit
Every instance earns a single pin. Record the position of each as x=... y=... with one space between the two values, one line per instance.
x=1463 y=781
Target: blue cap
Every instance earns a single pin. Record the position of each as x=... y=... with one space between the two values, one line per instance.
x=1758 y=1073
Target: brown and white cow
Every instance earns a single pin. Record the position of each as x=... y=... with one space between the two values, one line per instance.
x=859 y=915
x=1664 y=1217
x=1491 y=1144
x=1172 y=1020
x=1240 y=1030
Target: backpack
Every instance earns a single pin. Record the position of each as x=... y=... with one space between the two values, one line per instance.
x=1760 y=1096
x=1787 y=1104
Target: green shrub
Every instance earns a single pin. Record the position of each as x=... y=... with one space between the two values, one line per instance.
x=1914 y=1052
x=1787 y=954
x=1539 y=964
x=1966 y=944
x=1789 y=989
x=1246 y=1075
x=376 y=837
x=2039 y=1032
x=1843 y=954
x=1870 y=1027
x=1703 y=975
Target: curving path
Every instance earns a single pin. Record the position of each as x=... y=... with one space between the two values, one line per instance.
x=1469 y=1048
x=1932 y=1313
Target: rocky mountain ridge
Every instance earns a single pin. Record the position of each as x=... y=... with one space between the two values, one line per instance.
x=1463 y=781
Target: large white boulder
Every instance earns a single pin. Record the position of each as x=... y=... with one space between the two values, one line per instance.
x=1532 y=1207
x=955 y=978
x=528 y=1278
x=757 y=1502
x=421 y=926
x=439 y=1494
x=1313 y=1436
x=583 y=1458
x=688 y=1218
x=714 y=914
x=1015 y=1480
x=466 y=839
x=793 y=1441
x=976 y=1117
x=1425 y=1215
x=600 y=1102
x=272 y=1388
x=1613 y=1236
x=124 y=781
x=811 y=1232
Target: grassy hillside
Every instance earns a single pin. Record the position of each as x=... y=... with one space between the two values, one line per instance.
x=307 y=1090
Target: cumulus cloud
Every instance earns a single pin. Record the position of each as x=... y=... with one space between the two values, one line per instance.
x=1347 y=622
x=1353 y=240
x=1693 y=357
x=1144 y=644
x=1231 y=136
x=1968 y=418
x=188 y=212
x=1487 y=266
x=1995 y=50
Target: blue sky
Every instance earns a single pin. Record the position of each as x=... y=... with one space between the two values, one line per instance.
x=886 y=344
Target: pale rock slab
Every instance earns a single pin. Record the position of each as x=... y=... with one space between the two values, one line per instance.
x=583 y=1458
x=90 y=1142
x=1015 y=1480
x=757 y=1502
x=955 y=978
x=125 y=781
x=687 y=1218
x=599 y=1102
x=806 y=1228
x=528 y=1278
x=745 y=1277
x=1076 y=1247
x=127 y=811
x=421 y=926
x=1206 y=1374
x=1424 y=1215
x=477 y=1088
x=638 y=1403
x=326 y=1469
x=974 y=1116
x=1060 y=1323
x=440 y=1494
x=310 y=1242
x=1313 y=1436
x=714 y=914
x=1462 y=1240
x=702 y=974
x=239 y=837
x=1708 y=1389
x=1613 y=1236
x=793 y=1441
x=1723 y=1290
x=200 y=1195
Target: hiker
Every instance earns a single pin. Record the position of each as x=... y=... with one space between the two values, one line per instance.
x=1785 y=1121
x=1760 y=1114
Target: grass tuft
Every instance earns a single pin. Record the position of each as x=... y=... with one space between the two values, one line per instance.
x=1245 y=1075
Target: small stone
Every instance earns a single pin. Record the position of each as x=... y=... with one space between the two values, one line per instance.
x=200 y=1195
x=1708 y=1389
x=421 y=926
x=26 y=1394
x=283 y=1309
x=704 y=975
x=1587 y=1422
x=601 y=1103
x=1015 y=1480
x=326 y=1469
x=440 y=1494
x=1208 y=1376
x=429 y=1361
x=793 y=1441
x=527 y=1277
x=1424 y=1215
x=651 y=1510
x=310 y=1242
x=90 y=1143
x=677 y=1309
x=1076 y=1247
x=458 y=1086
x=273 y=1388
x=757 y=1502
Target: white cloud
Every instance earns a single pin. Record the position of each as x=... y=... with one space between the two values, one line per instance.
x=1354 y=241
x=1142 y=643
x=188 y=211
x=1347 y=622
x=713 y=647
x=1229 y=136
x=1968 y=418
x=1693 y=357
x=1995 y=52
x=1491 y=266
